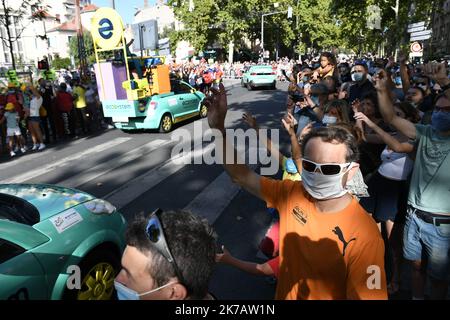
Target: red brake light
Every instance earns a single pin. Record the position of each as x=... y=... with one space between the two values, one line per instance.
x=253 y=74
x=273 y=73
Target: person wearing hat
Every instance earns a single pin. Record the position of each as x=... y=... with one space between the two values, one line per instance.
x=362 y=86
x=12 y=129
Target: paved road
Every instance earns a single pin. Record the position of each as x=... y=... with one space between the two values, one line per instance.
x=137 y=174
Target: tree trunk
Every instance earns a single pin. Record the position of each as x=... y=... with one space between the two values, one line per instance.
x=7 y=24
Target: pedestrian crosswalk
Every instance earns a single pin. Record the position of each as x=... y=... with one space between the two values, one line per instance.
x=208 y=202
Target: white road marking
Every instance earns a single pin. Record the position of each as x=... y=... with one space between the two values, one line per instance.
x=63 y=162
x=112 y=164
x=138 y=186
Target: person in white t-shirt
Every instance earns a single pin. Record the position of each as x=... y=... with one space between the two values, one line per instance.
x=388 y=187
x=34 y=118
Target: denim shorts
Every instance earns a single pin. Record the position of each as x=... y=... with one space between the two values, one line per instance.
x=426 y=241
x=34 y=119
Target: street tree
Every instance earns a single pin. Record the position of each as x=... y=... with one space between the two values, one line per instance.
x=11 y=19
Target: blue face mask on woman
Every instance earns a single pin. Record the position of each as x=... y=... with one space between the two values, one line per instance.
x=440 y=121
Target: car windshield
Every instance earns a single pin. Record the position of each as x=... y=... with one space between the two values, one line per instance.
x=48 y=200
x=18 y=210
x=261 y=71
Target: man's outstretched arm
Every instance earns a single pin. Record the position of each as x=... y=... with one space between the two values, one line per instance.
x=239 y=173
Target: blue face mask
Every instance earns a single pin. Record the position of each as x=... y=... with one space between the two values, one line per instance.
x=124 y=293
x=398 y=81
x=305 y=79
x=315 y=99
x=290 y=166
x=440 y=121
x=357 y=76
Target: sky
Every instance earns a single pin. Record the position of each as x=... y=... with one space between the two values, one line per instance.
x=124 y=7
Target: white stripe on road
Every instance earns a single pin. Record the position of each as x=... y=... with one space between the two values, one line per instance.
x=63 y=162
x=215 y=197
x=31 y=155
x=138 y=186
x=112 y=164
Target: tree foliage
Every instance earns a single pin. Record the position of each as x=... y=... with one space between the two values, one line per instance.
x=30 y=9
x=317 y=24
x=61 y=63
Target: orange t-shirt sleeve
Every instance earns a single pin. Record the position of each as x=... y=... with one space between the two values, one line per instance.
x=366 y=277
x=275 y=192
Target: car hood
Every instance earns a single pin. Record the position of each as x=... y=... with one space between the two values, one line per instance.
x=48 y=199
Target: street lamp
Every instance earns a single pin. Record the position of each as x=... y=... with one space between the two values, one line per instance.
x=288 y=11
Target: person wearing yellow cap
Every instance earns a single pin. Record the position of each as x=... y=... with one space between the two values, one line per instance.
x=12 y=129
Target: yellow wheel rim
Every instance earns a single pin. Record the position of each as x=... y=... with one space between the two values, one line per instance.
x=98 y=284
x=167 y=123
x=203 y=111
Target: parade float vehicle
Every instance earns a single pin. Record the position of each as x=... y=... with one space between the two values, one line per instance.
x=57 y=243
x=138 y=92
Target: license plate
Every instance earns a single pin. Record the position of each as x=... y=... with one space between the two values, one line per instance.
x=120 y=119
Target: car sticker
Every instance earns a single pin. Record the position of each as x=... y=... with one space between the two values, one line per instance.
x=172 y=102
x=66 y=220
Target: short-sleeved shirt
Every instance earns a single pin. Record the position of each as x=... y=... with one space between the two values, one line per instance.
x=430 y=182
x=337 y=255
x=12 y=120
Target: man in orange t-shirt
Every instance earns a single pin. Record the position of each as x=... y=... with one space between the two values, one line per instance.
x=330 y=248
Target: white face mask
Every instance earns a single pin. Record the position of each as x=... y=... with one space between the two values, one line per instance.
x=324 y=187
x=329 y=120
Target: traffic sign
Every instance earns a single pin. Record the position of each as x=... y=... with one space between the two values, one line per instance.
x=415 y=47
x=419 y=38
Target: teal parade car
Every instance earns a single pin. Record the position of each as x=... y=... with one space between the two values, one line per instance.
x=160 y=111
x=57 y=243
x=259 y=76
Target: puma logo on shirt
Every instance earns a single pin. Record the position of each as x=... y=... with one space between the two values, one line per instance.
x=340 y=235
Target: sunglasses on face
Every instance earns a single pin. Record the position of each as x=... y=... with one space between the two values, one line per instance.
x=327 y=169
x=155 y=234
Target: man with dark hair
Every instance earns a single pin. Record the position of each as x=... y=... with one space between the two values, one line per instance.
x=330 y=248
x=169 y=256
x=362 y=86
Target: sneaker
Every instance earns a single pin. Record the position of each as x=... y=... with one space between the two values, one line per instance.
x=23 y=150
x=41 y=147
x=12 y=153
x=35 y=146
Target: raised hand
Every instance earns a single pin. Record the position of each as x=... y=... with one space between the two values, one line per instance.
x=217 y=107
x=362 y=117
x=436 y=71
x=381 y=81
x=250 y=120
x=356 y=105
x=288 y=123
x=223 y=257
x=306 y=130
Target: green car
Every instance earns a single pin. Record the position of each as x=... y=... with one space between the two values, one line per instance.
x=58 y=243
x=259 y=76
x=160 y=111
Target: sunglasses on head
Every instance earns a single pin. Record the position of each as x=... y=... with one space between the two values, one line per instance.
x=327 y=169
x=155 y=234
